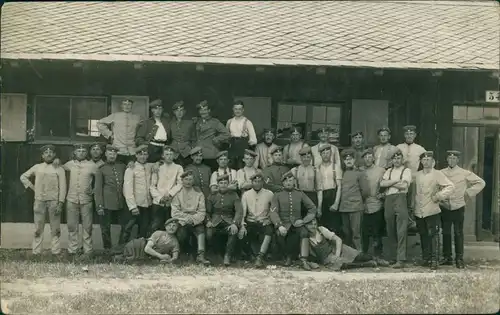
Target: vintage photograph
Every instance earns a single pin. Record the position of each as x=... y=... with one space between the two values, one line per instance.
x=250 y=157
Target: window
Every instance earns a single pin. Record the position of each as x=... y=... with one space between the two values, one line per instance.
x=476 y=113
x=68 y=117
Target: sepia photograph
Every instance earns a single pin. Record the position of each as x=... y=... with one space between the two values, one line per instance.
x=250 y=157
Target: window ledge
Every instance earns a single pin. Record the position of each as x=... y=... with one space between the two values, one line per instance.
x=63 y=142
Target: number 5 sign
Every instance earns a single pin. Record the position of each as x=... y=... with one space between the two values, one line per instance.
x=492 y=96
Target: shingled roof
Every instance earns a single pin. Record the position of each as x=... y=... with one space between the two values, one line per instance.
x=381 y=34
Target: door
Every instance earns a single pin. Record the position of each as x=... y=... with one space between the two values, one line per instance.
x=480 y=154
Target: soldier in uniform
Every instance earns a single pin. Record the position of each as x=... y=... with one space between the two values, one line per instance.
x=244 y=175
x=182 y=133
x=255 y=224
x=307 y=178
x=164 y=185
x=358 y=145
x=136 y=187
x=396 y=181
x=285 y=214
x=108 y=196
x=452 y=209
x=291 y=155
x=384 y=150
x=210 y=135
x=334 y=157
x=188 y=207
x=119 y=128
x=201 y=172
x=96 y=150
x=224 y=215
x=50 y=192
x=242 y=135
x=264 y=149
x=351 y=202
x=274 y=172
x=432 y=188
x=223 y=169
x=153 y=133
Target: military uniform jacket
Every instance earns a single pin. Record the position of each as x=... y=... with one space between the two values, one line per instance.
x=201 y=174
x=109 y=186
x=272 y=176
x=146 y=130
x=286 y=206
x=224 y=207
x=210 y=134
x=182 y=134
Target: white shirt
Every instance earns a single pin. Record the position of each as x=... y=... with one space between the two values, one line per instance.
x=242 y=127
x=136 y=184
x=434 y=183
x=161 y=133
x=411 y=155
x=243 y=175
x=219 y=172
x=395 y=173
x=328 y=176
x=166 y=182
x=256 y=205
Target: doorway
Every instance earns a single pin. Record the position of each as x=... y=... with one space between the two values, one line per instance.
x=480 y=147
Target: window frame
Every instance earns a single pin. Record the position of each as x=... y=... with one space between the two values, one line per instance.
x=72 y=137
x=474 y=122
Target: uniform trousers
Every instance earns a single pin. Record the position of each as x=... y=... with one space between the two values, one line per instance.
x=351 y=225
x=185 y=232
x=154 y=153
x=412 y=191
x=73 y=213
x=396 y=220
x=105 y=223
x=455 y=219
x=428 y=228
x=221 y=229
x=291 y=241
x=314 y=198
x=143 y=220
x=160 y=214
x=40 y=208
x=255 y=236
x=372 y=230
x=330 y=219
x=237 y=150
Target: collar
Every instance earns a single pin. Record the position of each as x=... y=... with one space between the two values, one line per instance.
x=268 y=144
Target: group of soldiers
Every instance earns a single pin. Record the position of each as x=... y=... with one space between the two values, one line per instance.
x=176 y=181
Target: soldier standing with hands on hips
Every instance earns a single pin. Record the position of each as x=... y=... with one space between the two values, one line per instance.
x=153 y=133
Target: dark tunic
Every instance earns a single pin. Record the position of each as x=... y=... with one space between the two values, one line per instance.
x=210 y=134
x=350 y=198
x=182 y=134
x=146 y=130
x=108 y=187
x=201 y=174
x=224 y=207
x=272 y=176
x=286 y=208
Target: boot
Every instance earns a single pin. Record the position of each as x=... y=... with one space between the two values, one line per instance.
x=304 y=264
x=227 y=260
x=313 y=265
x=447 y=261
x=399 y=265
x=288 y=261
x=460 y=263
x=259 y=262
x=434 y=264
x=201 y=259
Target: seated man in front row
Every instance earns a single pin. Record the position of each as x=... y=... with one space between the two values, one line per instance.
x=224 y=215
x=162 y=245
x=188 y=207
x=285 y=214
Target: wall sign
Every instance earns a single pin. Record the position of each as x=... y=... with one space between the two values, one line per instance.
x=492 y=96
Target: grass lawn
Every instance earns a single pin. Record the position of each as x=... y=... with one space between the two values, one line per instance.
x=104 y=288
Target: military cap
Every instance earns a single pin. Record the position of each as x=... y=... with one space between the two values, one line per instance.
x=177 y=105
x=97 y=144
x=409 y=128
x=383 y=129
x=171 y=220
x=276 y=149
x=306 y=149
x=348 y=153
x=110 y=147
x=79 y=146
x=128 y=101
x=141 y=149
x=202 y=105
x=186 y=174
x=367 y=151
x=195 y=150
x=47 y=147
x=223 y=177
x=296 y=129
x=156 y=103
x=222 y=153
x=357 y=133
x=427 y=154
x=397 y=152
x=257 y=175
x=269 y=131
x=453 y=153
x=323 y=130
x=286 y=176
x=169 y=148
x=250 y=152
x=324 y=147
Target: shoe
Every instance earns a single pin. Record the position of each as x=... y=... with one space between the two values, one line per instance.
x=399 y=265
x=259 y=263
x=313 y=265
x=382 y=262
x=434 y=265
x=460 y=264
x=392 y=262
x=227 y=260
x=446 y=262
x=371 y=264
x=288 y=261
x=305 y=265
x=201 y=259
x=425 y=263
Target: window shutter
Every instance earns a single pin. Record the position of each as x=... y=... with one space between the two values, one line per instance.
x=13 y=111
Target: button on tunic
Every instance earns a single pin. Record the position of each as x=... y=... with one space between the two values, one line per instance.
x=201 y=174
x=183 y=135
x=81 y=174
x=272 y=176
x=137 y=184
x=465 y=182
x=122 y=126
x=286 y=208
x=210 y=134
x=224 y=206
x=108 y=190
